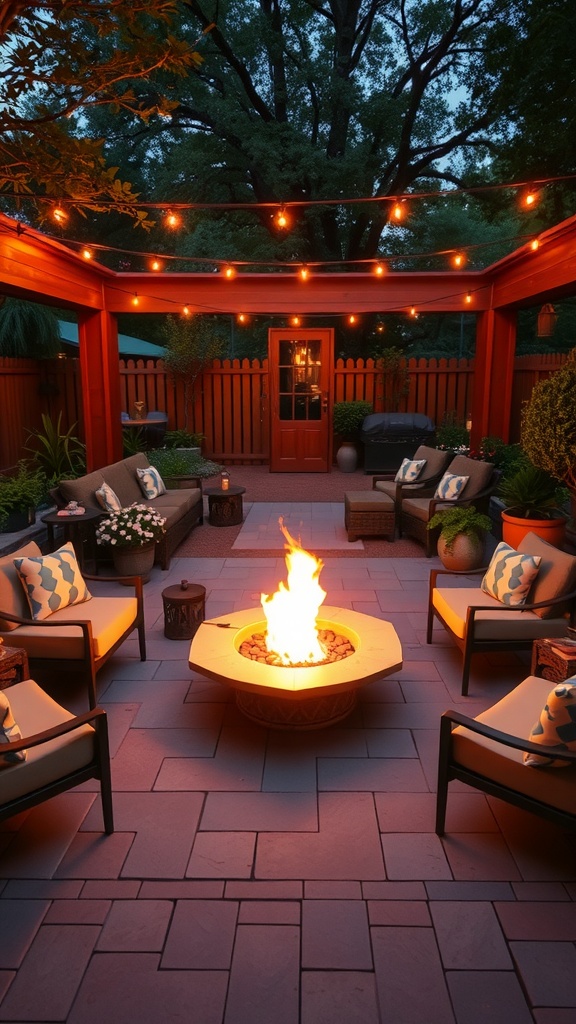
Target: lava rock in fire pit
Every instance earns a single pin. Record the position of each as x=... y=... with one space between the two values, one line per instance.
x=336 y=646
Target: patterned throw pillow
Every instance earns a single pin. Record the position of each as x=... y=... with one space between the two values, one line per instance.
x=510 y=575
x=409 y=470
x=108 y=498
x=451 y=486
x=556 y=726
x=9 y=733
x=52 y=581
x=151 y=482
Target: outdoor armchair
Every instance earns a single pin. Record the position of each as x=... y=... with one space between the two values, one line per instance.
x=62 y=750
x=486 y=752
x=416 y=511
x=477 y=621
x=79 y=637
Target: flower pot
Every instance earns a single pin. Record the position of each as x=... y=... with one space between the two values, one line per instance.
x=134 y=561
x=467 y=552
x=514 y=530
x=347 y=457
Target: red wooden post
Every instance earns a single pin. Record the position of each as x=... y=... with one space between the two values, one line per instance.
x=494 y=374
x=99 y=367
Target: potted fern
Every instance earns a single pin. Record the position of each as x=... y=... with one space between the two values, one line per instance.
x=461 y=538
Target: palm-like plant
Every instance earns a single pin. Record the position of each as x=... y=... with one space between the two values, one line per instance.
x=28 y=330
x=58 y=454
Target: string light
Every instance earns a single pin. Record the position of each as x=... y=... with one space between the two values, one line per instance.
x=413 y=311
x=352 y=319
x=304 y=273
x=186 y=310
x=135 y=300
x=282 y=219
x=229 y=272
x=468 y=297
x=529 y=199
x=295 y=321
x=534 y=244
x=380 y=327
x=172 y=220
x=59 y=214
x=242 y=318
x=87 y=253
x=398 y=210
x=379 y=269
x=155 y=264
x=458 y=260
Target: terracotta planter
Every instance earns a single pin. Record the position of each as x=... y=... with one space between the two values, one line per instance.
x=514 y=530
x=467 y=552
x=134 y=561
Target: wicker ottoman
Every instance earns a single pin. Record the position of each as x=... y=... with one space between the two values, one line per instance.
x=369 y=514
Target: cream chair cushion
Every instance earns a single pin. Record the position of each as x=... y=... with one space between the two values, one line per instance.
x=515 y=715
x=9 y=733
x=35 y=711
x=110 y=618
x=452 y=604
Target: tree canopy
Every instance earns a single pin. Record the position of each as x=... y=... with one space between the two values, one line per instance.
x=267 y=102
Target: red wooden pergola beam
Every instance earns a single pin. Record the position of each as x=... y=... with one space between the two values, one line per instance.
x=285 y=293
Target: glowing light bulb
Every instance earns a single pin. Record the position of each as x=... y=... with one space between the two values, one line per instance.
x=380 y=328
x=379 y=269
x=87 y=253
x=59 y=214
x=155 y=264
x=304 y=273
x=458 y=260
x=295 y=321
x=242 y=318
x=135 y=300
x=172 y=220
x=282 y=219
x=186 y=310
x=413 y=311
x=352 y=319
x=229 y=273
x=534 y=244
x=468 y=297
x=398 y=210
x=529 y=199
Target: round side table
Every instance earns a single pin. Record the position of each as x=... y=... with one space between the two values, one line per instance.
x=183 y=610
x=80 y=530
x=224 y=506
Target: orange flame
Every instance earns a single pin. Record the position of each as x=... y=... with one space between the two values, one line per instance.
x=292 y=611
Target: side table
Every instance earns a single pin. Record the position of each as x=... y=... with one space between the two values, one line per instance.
x=13 y=666
x=553 y=659
x=224 y=506
x=78 y=529
x=184 y=606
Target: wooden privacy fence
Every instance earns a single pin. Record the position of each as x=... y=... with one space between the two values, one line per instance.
x=230 y=403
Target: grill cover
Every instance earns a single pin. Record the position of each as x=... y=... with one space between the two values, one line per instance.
x=389 y=437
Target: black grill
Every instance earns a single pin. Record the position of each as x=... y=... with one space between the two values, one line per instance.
x=389 y=437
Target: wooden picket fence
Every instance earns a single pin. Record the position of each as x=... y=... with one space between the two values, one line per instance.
x=230 y=402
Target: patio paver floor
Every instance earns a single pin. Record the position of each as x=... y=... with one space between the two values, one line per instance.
x=294 y=878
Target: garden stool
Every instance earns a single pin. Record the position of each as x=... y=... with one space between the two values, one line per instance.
x=183 y=610
x=369 y=514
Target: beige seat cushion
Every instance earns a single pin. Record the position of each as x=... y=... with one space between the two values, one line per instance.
x=35 y=711
x=12 y=594
x=495 y=623
x=515 y=714
x=110 y=618
x=368 y=501
x=419 y=508
x=556 y=575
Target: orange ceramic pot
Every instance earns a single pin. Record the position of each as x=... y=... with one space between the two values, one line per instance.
x=514 y=530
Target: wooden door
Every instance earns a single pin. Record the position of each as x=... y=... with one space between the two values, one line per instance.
x=300 y=368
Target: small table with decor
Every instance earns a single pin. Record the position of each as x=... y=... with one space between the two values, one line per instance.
x=13 y=665
x=225 y=505
x=78 y=529
x=554 y=658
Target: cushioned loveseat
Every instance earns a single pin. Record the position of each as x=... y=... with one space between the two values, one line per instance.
x=181 y=508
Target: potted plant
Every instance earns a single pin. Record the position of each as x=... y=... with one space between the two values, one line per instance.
x=461 y=538
x=131 y=535
x=549 y=427
x=182 y=468
x=347 y=419
x=531 y=505
x=60 y=455
x=184 y=439
x=20 y=495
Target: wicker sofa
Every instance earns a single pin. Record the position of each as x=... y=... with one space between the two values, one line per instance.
x=182 y=508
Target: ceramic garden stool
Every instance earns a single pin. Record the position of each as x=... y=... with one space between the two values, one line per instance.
x=369 y=514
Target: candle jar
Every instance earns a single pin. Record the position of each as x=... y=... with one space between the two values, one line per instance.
x=224 y=481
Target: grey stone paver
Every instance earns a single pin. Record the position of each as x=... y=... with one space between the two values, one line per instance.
x=295 y=878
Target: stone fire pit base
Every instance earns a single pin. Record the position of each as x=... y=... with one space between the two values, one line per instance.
x=296 y=698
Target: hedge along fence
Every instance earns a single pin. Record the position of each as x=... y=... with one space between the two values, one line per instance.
x=231 y=405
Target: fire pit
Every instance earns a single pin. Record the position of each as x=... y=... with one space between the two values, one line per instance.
x=300 y=690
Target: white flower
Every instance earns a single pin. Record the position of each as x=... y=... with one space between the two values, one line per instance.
x=131 y=527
